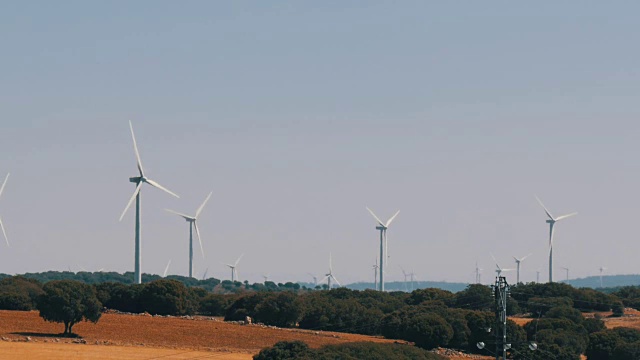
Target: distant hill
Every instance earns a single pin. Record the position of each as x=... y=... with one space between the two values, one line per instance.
x=608 y=281
x=401 y=286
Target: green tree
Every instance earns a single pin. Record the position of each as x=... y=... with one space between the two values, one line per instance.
x=167 y=297
x=69 y=302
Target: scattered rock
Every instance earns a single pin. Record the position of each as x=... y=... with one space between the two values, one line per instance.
x=79 y=341
x=5 y=339
x=27 y=339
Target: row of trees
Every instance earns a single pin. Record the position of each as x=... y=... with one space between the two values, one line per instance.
x=427 y=317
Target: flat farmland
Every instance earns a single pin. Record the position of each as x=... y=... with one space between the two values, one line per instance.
x=119 y=336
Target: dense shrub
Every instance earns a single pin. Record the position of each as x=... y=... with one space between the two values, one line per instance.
x=167 y=297
x=19 y=293
x=288 y=350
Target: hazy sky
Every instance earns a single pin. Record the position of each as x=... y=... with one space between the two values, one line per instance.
x=299 y=114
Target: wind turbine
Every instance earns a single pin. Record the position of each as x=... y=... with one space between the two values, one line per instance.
x=330 y=276
x=382 y=226
x=375 y=274
x=204 y=277
x=315 y=279
x=233 y=268
x=518 y=261
x=601 y=270
x=406 y=289
x=193 y=224
x=166 y=269
x=552 y=221
x=1 y=225
x=266 y=277
x=478 y=274
x=538 y=276
x=412 y=276
x=139 y=180
x=567 y=270
x=499 y=270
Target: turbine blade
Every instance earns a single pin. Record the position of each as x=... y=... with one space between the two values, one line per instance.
x=166 y=269
x=4 y=183
x=135 y=193
x=375 y=217
x=186 y=217
x=566 y=216
x=324 y=278
x=336 y=280
x=526 y=257
x=155 y=184
x=237 y=261
x=391 y=219
x=135 y=148
x=195 y=225
x=545 y=209
x=4 y=233
x=516 y=259
x=203 y=204
x=330 y=268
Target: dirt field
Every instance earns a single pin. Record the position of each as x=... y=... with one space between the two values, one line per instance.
x=145 y=337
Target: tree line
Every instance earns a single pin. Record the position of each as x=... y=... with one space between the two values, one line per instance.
x=428 y=318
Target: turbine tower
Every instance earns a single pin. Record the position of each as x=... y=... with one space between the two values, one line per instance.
x=375 y=275
x=315 y=279
x=382 y=226
x=567 y=270
x=552 y=221
x=601 y=270
x=406 y=275
x=330 y=276
x=478 y=274
x=1 y=225
x=139 y=180
x=499 y=270
x=412 y=276
x=234 y=274
x=518 y=261
x=193 y=224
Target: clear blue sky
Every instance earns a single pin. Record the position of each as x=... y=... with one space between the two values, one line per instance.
x=297 y=115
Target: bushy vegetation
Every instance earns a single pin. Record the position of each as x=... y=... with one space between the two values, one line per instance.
x=427 y=317
x=288 y=350
x=68 y=302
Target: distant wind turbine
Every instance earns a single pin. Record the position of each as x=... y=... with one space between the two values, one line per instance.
x=375 y=274
x=601 y=270
x=139 y=180
x=193 y=224
x=518 y=261
x=478 y=274
x=412 y=276
x=538 y=276
x=315 y=279
x=330 y=276
x=383 y=226
x=552 y=221
x=266 y=277
x=166 y=269
x=406 y=276
x=567 y=270
x=234 y=273
x=204 y=277
x=2 y=225
x=499 y=270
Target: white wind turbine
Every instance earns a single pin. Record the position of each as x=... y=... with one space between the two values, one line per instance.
x=234 y=273
x=499 y=270
x=518 y=261
x=567 y=270
x=204 y=277
x=166 y=269
x=266 y=277
x=375 y=274
x=382 y=226
x=412 y=276
x=601 y=270
x=139 y=180
x=330 y=276
x=193 y=224
x=551 y=221
x=2 y=225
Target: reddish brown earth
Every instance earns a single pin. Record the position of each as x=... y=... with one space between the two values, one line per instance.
x=199 y=334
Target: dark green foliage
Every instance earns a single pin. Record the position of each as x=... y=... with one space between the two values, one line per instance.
x=539 y=306
x=565 y=312
x=121 y=297
x=19 y=293
x=297 y=350
x=617 y=308
x=419 y=296
x=285 y=350
x=167 y=297
x=427 y=330
x=602 y=344
x=475 y=297
x=282 y=309
x=69 y=302
x=593 y=325
x=244 y=306
x=627 y=351
x=216 y=304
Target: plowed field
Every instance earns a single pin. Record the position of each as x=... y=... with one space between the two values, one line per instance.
x=118 y=336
